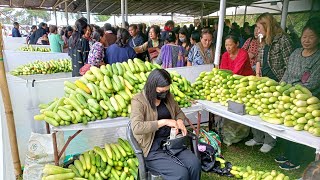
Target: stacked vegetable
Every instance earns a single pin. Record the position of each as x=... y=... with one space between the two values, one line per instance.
x=43 y=67
x=181 y=89
x=277 y=103
x=105 y=92
x=114 y=161
x=249 y=174
x=33 y=49
x=51 y=172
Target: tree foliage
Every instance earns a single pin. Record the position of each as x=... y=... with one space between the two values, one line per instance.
x=24 y=16
x=101 y=18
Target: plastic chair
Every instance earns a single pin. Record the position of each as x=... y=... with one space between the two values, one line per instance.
x=143 y=173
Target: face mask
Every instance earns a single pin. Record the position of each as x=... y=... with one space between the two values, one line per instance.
x=162 y=95
x=182 y=39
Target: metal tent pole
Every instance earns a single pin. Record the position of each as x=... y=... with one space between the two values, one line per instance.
x=235 y=14
x=245 y=14
x=201 y=19
x=88 y=10
x=284 y=14
x=55 y=17
x=126 y=9
x=222 y=12
x=122 y=14
x=66 y=10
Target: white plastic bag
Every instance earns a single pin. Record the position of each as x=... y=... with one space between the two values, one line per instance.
x=40 y=152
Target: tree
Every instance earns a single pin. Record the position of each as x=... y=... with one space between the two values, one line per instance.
x=101 y=18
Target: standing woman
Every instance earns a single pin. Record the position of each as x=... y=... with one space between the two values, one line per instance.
x=171 y=55
x=303 y=68
x=235 y=59
x=252 y=47
x=202 y=52
x=274 y=53
x=154 y=44
x=154 y=113
x=79 y=47
x=67 y=34
x=184 y=39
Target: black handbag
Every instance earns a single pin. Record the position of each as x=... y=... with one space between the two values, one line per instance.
x=176 y=145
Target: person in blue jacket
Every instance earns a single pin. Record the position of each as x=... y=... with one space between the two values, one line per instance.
x=120 y=51
x=15 y=30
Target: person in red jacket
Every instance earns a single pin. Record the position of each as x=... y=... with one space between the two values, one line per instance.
x=235 y=59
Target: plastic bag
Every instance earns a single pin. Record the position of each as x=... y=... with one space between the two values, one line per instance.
x=212 y=139
x=234 y=132
x=40 y=152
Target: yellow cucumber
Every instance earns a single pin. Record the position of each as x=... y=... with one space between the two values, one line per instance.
x=131 y=75
x=131 y=65
x=39 y=117
x=69 y=175
x=120 y=69
x=83 y=93
x=124 y=95
x=126 y=66
x=115 y=85
x=108 y=150
x=140 y=64
x=75 y=105
x=83 y=162
x=94 y=104
x=118 y=82
x=87 y=160
x=121 y=150
x=64 y=116
x=104 y=88
x=114 y=69
x=120 y=101
x=128 y=85
x=52 y=115
x=103 y=105
x=148 y=65
x=90 y=77
x=108 y=103
x=82 y=86
x=78 y=165
x=114 y=103
x=139 y=77
x=143 y=76
x=96 y=72
x=129 y=80
x=99 y=151
x=70 y=85
x=122 y=82
x=128 y=92
x=92 y=89
x=52 y=169
x=109 y=69
x=107 y=82
x=115 y=150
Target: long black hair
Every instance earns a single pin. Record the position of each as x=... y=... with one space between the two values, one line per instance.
x=80 y=25
x=122 y=37
x=68 y=29
x=157 y=78
x=313 y=25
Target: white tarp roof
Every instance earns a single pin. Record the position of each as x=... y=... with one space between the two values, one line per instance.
x=271 y=6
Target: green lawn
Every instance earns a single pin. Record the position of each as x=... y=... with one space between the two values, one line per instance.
x=241 y=155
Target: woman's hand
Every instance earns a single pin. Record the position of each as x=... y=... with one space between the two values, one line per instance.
x=182 y=127
x=167 y=122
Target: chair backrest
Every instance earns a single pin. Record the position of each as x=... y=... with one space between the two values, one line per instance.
x=138 y=151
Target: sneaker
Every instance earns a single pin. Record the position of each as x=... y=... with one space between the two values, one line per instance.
x=265 y=148
x=288 y=166
x=252 y=142
x=280 y=159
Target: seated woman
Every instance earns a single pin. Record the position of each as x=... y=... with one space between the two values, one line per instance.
x=120 y=51
x=154 y=113
x=96 y=53
x=235 y=59
x=171 y=55
x=303 y=68
x=203 y=51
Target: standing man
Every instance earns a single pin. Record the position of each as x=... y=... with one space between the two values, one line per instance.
x=167 y=28
x=39 y=32
x=136 y=40
x=15 y=30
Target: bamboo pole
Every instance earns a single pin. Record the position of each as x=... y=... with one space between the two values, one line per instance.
x=9 y=113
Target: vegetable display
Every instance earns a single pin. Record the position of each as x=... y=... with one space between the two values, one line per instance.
x=114 y=161
x=43 y=67
x=106 y=92
x=276 y=103
x=33 y=49
x=249 y=174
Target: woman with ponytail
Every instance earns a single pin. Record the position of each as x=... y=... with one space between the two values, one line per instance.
x=120 y=51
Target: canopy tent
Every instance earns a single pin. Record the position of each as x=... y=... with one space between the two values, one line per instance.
x=272 y=6
x=113 y=7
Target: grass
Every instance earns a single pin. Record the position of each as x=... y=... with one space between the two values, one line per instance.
x=241 y=155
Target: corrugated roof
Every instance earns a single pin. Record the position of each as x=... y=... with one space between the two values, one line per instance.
x=112 y=7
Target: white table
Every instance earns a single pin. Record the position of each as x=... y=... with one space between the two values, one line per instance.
x=101 y=124
x=288 y=133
